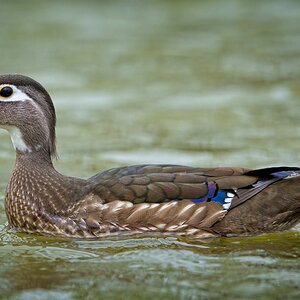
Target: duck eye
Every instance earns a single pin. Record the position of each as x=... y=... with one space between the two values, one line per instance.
x=6 y=92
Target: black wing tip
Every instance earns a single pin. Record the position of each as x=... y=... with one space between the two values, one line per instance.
x=267 y=172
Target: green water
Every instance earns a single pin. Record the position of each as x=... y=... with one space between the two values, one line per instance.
x=203 y=83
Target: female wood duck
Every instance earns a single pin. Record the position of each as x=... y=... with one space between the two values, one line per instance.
x=171 y=199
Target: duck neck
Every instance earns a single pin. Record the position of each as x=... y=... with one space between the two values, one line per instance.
x=38 y=160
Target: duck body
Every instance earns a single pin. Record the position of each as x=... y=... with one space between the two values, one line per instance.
x=168 y=199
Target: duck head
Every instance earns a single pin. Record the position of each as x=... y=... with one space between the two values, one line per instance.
x=28 y=114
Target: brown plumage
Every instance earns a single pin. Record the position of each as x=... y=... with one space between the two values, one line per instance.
x=198 y=202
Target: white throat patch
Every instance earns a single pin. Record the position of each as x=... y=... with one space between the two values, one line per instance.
x=17 y=139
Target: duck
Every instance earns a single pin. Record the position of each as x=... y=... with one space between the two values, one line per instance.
x=141 y=199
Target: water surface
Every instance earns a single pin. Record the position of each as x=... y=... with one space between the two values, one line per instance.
x=203 y=83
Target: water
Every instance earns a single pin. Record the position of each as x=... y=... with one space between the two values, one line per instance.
x=205 y=83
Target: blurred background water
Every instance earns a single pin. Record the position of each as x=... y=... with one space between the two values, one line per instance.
x=203 y=83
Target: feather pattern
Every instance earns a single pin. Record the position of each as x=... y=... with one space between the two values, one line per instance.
x=137 y=199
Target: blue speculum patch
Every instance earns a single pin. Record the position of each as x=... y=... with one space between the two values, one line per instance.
x=219 y=197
